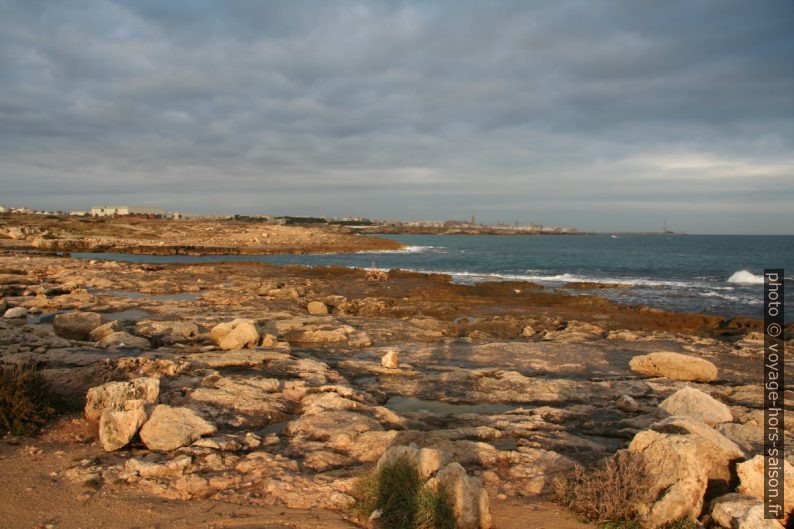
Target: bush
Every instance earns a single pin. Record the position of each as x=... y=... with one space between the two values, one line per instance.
x=26 y=401
x=397 y=491
x=609 y=494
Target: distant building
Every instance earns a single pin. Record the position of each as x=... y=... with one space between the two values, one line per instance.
x=78 y=213
x=3 y=209
x=112 y=211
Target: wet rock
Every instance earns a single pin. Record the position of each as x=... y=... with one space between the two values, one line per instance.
x=117 y=427
x=106 y=329
x=391 y=360
x=317 y=307
x=169 y=428
x=113 y=395
x=693 y=403
x=123 y=340
x=737 y=511
x=628 y=404
x=237 y=334
x=674 y=365
x=751 y=481
x=16 y=312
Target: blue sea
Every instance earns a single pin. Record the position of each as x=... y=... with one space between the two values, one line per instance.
x=714 y=274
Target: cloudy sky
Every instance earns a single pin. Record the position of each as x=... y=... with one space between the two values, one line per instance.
x=605 y=115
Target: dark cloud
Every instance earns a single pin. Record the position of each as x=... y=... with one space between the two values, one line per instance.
x=607 y=115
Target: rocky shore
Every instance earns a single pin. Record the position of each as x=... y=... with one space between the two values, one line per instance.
x=281 y=386
x=182 y=237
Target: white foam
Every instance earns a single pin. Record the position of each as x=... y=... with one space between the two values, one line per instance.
x=745 y=277
x=407 y=249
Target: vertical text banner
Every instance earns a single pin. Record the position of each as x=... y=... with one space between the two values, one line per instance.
x=774 y=387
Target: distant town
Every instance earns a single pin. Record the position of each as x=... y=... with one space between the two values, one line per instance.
x=360 y=224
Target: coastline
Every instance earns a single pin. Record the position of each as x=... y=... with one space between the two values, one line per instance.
x=512 y=380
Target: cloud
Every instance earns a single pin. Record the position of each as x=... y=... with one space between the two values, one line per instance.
x=554 y=109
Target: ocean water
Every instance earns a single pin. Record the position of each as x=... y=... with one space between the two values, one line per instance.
x=715 y=274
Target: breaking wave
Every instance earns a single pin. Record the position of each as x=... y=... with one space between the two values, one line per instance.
x=745 y=277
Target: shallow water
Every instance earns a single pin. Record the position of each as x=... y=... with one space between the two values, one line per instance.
x=132 y=314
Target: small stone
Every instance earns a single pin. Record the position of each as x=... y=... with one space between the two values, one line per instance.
x=317 y=307
x=16 y=312
x=628 y=404
x=391 y=360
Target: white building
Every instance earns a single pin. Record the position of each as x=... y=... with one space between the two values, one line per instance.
x=110 y=211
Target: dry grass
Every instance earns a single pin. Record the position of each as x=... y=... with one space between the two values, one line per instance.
x=26 y=401
x=607 y=494
x=397 y=491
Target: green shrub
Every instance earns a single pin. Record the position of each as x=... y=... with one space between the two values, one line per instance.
x=397 y=491
x=26 y=401
x=609 y=494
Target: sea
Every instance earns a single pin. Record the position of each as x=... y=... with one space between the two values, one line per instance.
x=713 y=274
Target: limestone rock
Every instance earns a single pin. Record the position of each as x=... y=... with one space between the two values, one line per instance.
x=168 y=331
x=391 y=360
x=690 y=402
x=627 y=403
x=737 y=511
x=123 y=340
x=16 y=312
x=427 y=461
x=751 y=481
x=237 y=334
x=117 y=427
x=76 y=325
x=317 y=307
x=683 y=456
x=113 y=395
x=169 y=428
x=469 y=499
x=105 y=329
x=674 y=365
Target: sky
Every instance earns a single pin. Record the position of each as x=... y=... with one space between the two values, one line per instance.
x=602 y=115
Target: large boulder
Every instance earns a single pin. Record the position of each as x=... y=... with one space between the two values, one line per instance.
x=751 y=481
x=236 y=334
x=117 y=427
x=169 y=428
x=684 y=458
x=674 y=365
x=123 y=340
x=113 y=395
x=76 y=325
x=693 y=403
x=737 y=511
